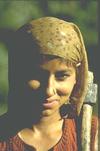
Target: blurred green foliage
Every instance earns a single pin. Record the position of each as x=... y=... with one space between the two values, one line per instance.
x=14 y=13
x=3 y=68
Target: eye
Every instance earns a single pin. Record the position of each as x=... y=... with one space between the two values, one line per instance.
x=61 y=76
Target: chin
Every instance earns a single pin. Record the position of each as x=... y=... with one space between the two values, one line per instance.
x=47 y=112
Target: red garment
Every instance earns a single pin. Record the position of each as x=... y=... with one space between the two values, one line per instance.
x=68 y=141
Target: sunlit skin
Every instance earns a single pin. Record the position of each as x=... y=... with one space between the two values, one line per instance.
x=60 y=80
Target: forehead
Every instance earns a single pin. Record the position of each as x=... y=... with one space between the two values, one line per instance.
x=55 y=64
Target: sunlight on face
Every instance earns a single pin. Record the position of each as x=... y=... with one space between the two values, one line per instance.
x=57 y=79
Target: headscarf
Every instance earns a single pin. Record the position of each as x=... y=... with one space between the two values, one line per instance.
x=63 y=39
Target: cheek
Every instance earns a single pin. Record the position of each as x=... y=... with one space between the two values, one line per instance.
x=66 y=90
x=67 y=87
x=34 y=84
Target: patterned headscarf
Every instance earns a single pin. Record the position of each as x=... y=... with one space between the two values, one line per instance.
x=60 y=38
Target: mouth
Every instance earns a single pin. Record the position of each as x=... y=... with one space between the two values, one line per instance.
x=50 y=102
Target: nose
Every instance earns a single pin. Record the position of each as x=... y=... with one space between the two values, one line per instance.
x=51 y=87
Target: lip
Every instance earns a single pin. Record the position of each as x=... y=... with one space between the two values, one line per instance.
x=52 y=98
x=51 y=102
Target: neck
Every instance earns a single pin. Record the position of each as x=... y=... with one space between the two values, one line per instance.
x=48 y=122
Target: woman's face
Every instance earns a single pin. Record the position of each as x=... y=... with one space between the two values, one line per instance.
x=56 y=81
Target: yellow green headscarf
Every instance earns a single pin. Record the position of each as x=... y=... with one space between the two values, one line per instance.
x=64 y=39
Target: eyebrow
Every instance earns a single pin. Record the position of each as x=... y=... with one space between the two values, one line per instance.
x=64 y=71
x=61 y=71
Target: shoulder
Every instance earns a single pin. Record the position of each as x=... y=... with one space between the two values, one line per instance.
x=73 y=122
x=14 y=143
x=70 y=134
x=3 y=145
x=94 y=125
x=95 y=122
x=94 y=133
x=72 y=126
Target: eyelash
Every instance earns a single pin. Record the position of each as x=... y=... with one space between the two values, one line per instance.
x=62 y=77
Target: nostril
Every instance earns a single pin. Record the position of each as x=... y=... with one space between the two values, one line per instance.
x=50 y=91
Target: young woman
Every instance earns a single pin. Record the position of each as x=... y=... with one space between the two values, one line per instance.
x=48 y=72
